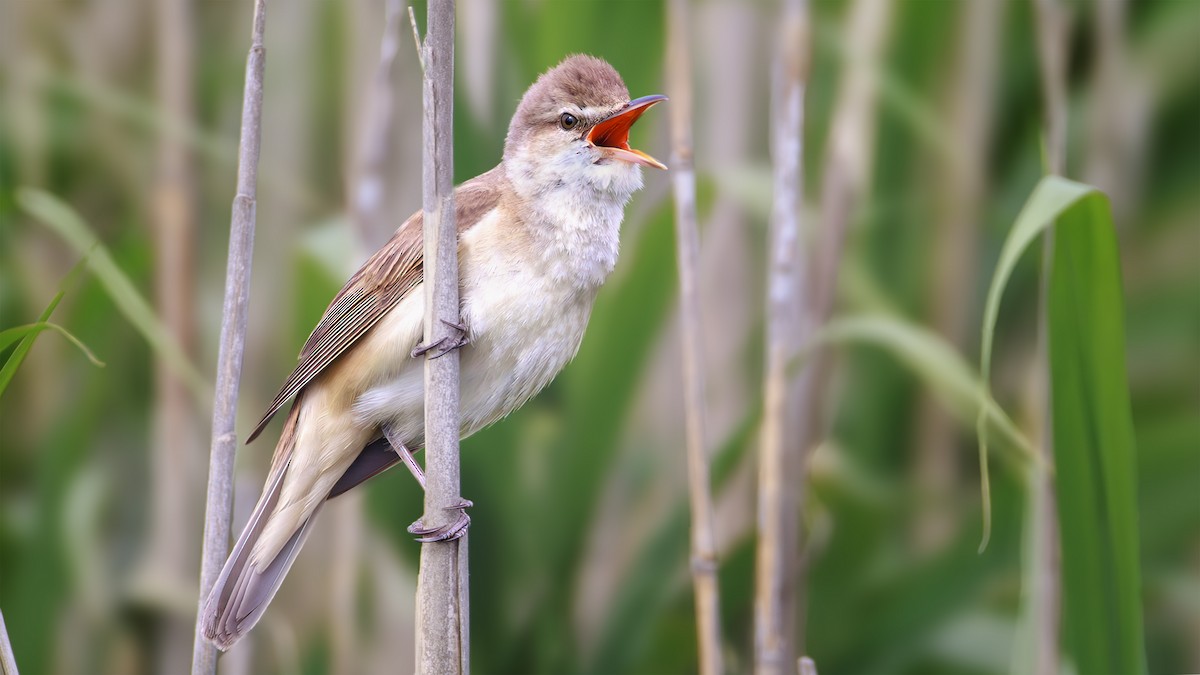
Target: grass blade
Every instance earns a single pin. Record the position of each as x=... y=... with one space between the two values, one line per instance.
x=1050 y=198
x=941 y=368
x=1092 y=421
x=18 y=355
x=11 y=335
x=1093 y=444
x=67 y=224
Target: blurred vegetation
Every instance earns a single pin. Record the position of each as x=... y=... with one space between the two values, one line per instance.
x=579 y=543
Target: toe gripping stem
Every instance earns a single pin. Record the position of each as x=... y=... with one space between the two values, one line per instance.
x=454 y=530
x=456 y=340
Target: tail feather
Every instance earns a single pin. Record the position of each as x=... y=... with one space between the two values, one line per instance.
x=243 y=591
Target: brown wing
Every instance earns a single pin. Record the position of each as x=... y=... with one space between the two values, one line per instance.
x=380 y=284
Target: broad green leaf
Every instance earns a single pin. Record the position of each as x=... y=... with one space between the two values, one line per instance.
x=67 y=224
x=1093 y=444
x=1091 y=420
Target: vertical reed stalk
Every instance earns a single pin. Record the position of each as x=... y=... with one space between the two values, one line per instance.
x=378 y=123
x=174 y=454
x=775 y=592
x=687 y=250
x=845 y=175
x=442 y=601
x=234 y=314
x=1043 y=592
x=846 y=170
x=8 y=662
x=370 y=217
x=1116 y=112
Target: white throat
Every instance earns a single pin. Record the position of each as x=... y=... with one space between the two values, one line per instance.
x=575 y=210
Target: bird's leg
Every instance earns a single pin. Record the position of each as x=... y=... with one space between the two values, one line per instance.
x=424 y=534
x=405 y=454
x=449 y=532
x=446 y=344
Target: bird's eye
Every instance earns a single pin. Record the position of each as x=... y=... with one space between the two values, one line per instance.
x=568 y=121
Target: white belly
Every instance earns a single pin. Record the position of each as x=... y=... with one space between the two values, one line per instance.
x=524 y=328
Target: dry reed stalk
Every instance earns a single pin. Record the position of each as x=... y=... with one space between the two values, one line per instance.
x=8 y=662
x=412 y=21
x=175 y=496
x=367 y=204
x=1044 y=593
x=775 y=592
x=687 y=250
x=1117 y=112
x=371 y=219
x=479 y=28
x=234 y=314
x=442 y=601
x=846 y=170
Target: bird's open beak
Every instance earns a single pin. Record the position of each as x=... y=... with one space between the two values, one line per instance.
x=613 y=132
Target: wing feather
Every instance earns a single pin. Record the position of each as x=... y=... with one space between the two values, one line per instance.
x=386 y=278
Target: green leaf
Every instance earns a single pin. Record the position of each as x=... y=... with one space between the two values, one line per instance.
x=941 y=368
x=67 y=224
x=18 y=355
x=1091 y=419
x=1093 y=444
x=11 y=335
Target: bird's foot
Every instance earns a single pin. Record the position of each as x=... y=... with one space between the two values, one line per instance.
x=449 y=532
x=456 y=340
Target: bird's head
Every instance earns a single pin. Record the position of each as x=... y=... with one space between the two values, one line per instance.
x=571 y=131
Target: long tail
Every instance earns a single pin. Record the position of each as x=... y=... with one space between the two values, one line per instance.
x=243 y=590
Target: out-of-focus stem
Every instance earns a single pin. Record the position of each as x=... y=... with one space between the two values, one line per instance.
x=370 y=217
x=845 y=173
x=687 y=247
x=175 y=495
x=343 y=586
x=1116 y=113
x=1043 y=586
x=234 y=314
x=378 y=123
x=1051 y=23
x=775 y=605
x=480 y=26
x=443 y=613
x=955 y=242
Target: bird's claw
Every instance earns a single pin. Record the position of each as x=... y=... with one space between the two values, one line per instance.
x=450 y=532
x=445 y=345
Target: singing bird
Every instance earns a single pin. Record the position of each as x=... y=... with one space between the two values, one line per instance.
x=537 y=237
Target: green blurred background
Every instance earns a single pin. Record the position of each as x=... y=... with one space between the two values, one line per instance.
x=127 y=110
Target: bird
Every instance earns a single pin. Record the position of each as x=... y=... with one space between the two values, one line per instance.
x=537 y=237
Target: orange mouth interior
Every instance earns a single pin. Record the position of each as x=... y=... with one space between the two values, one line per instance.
x=614 y=132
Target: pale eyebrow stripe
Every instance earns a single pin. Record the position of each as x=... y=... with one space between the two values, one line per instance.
x=590 y=113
